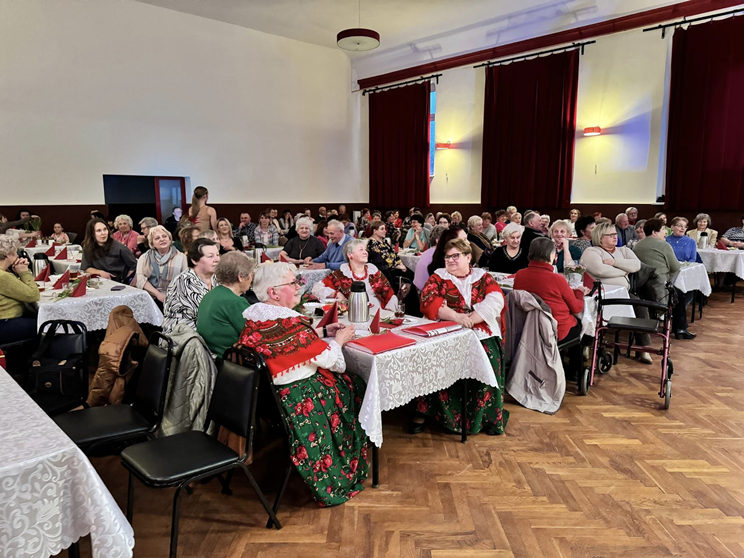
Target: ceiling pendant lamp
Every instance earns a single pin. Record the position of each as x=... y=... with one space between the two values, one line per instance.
x=358 y=39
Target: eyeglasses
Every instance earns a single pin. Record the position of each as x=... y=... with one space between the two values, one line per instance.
x=611 y=235
x=452 y=257
x=297 y=283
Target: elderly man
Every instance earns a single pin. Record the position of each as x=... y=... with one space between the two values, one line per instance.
x=322 y=213
x=632 y=213
x=333 y=257
x=145 y=225
x=625 y=232
x=532 y=230
x=246 y=227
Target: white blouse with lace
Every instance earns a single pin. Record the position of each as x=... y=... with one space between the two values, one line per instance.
x=321 y=291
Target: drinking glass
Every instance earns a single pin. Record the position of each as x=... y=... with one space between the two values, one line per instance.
x=400 y=310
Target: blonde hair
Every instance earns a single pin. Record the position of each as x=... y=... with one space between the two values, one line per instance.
x=602 y=228
x=559 y=224
x=462 y=245
x=8 y=245
x=473 y=222
x=156 y=229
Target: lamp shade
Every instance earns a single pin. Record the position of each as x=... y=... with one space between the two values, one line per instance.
x=358 y=39
x=592 y=131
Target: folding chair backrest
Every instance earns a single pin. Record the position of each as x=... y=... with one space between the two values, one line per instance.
x=153 y=380
x=234 y=398
x=68 y=338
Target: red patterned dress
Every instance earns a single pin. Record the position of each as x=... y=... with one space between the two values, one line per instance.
x=321 y=403
x=379 y=291
x=478 y=292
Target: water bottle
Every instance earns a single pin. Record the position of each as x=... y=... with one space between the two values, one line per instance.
x=358 y=303
x=703 y=241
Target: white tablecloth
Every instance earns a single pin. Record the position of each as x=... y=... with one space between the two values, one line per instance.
x=94 y=308
x=397 y=377
x=40 y=249
x=312 y=276
x=409 y=260
x=589 y=315
x=60 y=266
x=273 y=253
x=693 y=277
x=50 y=494
x=723 y=261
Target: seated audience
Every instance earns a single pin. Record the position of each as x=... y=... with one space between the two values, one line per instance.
x=437 y=260
x=444 y=219
x=393 y=232
x=640 y=234
x=632 y=213
x=545 y=224
x=510 y=211
x=456 y=217
x=538 y=278
x=365 y=218
x=565 y=253
x=227 y=241
x=584 y=227
x=266 y=233
x=625 y=232
x=661 y=215
x=516 y=218
x=24 y=215
x=510 y=257
x=274 y=216
x=501 y=222
x=479 y=244
x=430 y=222
x=185 y=292
x=125 y=233
x=158 y=266
x=338 y=284
x=246 y=228
x=322 y=213
x=286 y=222
x=145 y=225
x=186 y=236
x=654 y=251
x=321 y=232
x=17 y=288
x=472 y=298
x=382 y=255
x=171 y=223
x=304 y=247
x=9 y=228
x=349 y=227
x=220 y=319
x=489 y=230
x=573 y=216
x=59 y=234
x=734 y=237
x=417 y=237
x=308 y=373
x=333 y=256
x=702 y=223
x=421 y=275
x=532 y=230
x=104 y=256
x=684 y=247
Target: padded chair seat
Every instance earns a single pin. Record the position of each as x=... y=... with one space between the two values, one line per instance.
x=53 y=403
x=97 y=424
x=634 y=324
x=168 y=461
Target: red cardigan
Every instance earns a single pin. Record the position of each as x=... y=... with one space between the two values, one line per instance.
x=538 y=278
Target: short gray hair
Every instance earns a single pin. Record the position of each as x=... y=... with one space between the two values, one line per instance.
x=8 y=245
x=351 y=245
x=529 y=216
x=541 y=250
x=640 y=223
x=620 y=216
x=304 y=221
x=631 y=208
x=510 y=229
x=338 y=225
x=149 y=222
x=126 y=219
x=270 y=275
x=232 y=266
x=702 y=217
x=474 y=220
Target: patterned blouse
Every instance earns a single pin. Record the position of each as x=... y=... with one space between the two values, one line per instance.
x=182 y=300
x=385 y=251
x=267 y=238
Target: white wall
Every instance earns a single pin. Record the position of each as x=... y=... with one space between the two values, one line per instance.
x=121 y=87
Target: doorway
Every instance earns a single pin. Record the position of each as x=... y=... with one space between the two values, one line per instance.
x=144 y=196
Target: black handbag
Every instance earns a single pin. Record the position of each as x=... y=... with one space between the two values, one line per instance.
x=57 y=366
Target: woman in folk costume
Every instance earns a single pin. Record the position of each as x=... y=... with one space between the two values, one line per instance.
x=472 y=298
x=321 y=403
x=338 y=283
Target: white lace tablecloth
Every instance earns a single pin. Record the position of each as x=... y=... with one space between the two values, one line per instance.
x=312 y=276
x=693 y=277
x=94 y=308
x=409 y=260
x=723 y=261
x=589 y=315
x=397 y=377
x=50 y=494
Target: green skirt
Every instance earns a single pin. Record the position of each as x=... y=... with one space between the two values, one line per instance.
x=328 y=446
x=485 y=403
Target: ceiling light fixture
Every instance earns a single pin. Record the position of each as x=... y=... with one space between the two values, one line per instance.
x=358 y=39
x=592 y=131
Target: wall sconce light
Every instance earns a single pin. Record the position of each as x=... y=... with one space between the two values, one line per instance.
x=592 y=131
x=445 y=145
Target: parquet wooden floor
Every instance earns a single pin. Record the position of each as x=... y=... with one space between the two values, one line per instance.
x=611 y=474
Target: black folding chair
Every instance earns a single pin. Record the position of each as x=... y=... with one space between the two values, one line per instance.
x=181 y=459
x=113 y=425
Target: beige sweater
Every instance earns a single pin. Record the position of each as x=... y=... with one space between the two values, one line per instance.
x=625 y=262
x=14 y=291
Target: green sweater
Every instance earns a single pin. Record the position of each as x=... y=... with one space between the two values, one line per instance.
x=220 y=318
x=659 y=254
x=14 y=291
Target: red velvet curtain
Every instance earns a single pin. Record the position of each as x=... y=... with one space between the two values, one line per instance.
x=399 y=147
x=705 y=146
x=528 y=132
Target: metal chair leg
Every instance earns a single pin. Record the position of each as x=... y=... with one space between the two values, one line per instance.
x=226 y=482
x=130 y=498
x=261 y=497
x=375 y=466
x=74 y=550
x=282 y=488
x=174 y=523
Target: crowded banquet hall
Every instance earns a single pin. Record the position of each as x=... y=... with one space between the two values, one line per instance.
x=354 y=278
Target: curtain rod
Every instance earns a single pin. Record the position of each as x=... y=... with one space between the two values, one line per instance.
x=537 y=54
x=386 y=87
x=711 y=17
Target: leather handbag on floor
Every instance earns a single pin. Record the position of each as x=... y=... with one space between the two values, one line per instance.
x=56 y=366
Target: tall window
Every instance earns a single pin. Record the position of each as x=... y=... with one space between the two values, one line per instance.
x=432 y=129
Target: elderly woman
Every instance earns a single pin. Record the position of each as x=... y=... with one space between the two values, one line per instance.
x=162 y=263
x=456 y=217
x=266 y=233
x=573 y=216
x=186 y=236
x=516 y=218
x=685 y=248
x=125 y=233
x=220 y=319
x=17 y=288
x=444 y=219
x=702 y=223
x=104 y=256
x=560 y=233
x=338 y=283
x=304 y=247
x=538 y=278
x=327 y=443
x=186 y=291
x=479 y=244
x=417 y=237
x=430 y=221
x=584 y=227
x=545 y=224
x=489 y=230
x=225 y=237
x=510 y=257
x=734 y=237
x=59 y=234
x=611 y=265
x=470 y=297
x=640 y=234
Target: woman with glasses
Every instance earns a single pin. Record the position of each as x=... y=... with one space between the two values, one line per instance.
x=338 y=284
x=321 y=403
x=470 y=297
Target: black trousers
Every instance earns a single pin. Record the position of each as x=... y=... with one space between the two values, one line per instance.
x=574 y=353
x=679 y=312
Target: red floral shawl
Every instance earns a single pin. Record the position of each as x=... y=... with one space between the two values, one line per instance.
x=379 y=283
